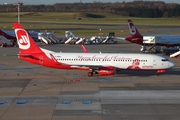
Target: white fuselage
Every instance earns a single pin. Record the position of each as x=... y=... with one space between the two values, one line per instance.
x=119 y=60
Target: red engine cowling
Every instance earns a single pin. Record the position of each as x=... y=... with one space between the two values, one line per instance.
x=106 y=71
x=161 y=71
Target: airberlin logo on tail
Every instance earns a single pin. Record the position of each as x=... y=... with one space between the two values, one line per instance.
x=23 y=39
x=132 y=28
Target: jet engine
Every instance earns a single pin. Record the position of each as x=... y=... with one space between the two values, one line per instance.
x=106 y=71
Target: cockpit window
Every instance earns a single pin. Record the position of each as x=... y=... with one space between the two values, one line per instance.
x=164 y=60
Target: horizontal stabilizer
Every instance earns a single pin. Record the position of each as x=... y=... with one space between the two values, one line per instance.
x=29 y=56
x=120 y=38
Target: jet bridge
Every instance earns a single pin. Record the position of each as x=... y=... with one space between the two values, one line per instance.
x=81 y=40
x=72 y=39
x=109 y=38
x=42 y=38
x=51 y=36
x=48 y=38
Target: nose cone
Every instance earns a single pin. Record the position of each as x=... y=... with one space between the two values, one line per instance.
x=171 y=64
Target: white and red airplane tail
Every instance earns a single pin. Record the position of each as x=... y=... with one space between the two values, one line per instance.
x=135 y=37
x=133 y=30
x=24 y=40
x=31 y=52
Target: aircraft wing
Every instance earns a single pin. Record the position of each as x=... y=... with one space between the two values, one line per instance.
x=121 y=38
x=91 y=66
x=86 y=66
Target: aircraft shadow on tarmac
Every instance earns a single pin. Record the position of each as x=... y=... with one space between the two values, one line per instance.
x=122 y=73
x=146 y=73
x=125 y=72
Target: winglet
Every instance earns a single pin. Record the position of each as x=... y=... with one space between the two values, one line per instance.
x=84 y=49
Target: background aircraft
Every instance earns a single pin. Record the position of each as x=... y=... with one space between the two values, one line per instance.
x=8 y=34
x=5 y=42
x=95 y=63
x=11 y=35
x=153 y=42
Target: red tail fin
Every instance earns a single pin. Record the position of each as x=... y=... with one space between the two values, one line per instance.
x=133 y=30
x=24 y=40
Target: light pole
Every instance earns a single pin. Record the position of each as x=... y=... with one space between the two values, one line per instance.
x=18 y=6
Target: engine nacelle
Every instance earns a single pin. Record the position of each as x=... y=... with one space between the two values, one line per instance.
x=161 y=71
x=106 y=71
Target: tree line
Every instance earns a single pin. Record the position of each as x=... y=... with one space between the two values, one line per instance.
x=147 y=9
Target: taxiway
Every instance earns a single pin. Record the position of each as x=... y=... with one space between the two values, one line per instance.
x=31 y=92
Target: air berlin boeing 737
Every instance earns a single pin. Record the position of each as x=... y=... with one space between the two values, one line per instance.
x=95 y=63
x=150 y=41
x=158 y=40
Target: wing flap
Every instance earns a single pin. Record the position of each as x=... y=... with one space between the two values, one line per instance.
x=92 y=66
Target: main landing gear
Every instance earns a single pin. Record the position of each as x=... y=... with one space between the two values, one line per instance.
x=91 y=73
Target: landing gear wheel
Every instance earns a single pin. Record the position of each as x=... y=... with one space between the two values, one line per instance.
x=90 y=74
x=157 y=74
x=65 y=81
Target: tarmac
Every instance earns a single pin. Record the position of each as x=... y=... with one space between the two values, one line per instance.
x=32 y=92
